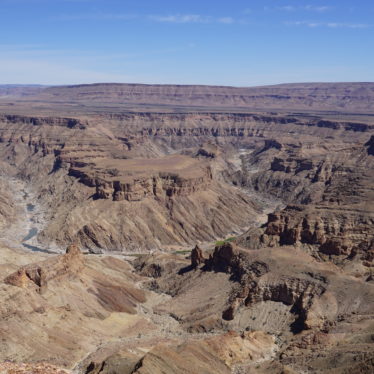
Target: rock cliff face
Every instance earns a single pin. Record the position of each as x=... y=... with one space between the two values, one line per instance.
x=332 y=231
x=136 y=188
x=256 y=287
x=336 y=233
x=70 y=123
x=334 y=190
x=370 y=146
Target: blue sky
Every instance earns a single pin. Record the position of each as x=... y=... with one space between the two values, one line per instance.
x=237 y=42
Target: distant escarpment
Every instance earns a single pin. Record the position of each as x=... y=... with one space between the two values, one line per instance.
x=303 y=96
x=19 y=90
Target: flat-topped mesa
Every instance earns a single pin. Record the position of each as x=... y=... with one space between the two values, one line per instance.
x=136 y=179
x=161 y=185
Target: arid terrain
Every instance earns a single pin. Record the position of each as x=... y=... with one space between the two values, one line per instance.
x=187 y=229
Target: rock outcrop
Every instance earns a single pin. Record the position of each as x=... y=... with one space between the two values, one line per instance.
x=370 y=146
x=26 y=276
x=197 y=257
x=333 y=231
x=295 y=292
x=161 y=186
x=38 y=275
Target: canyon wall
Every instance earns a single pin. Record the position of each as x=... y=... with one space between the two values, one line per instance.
x=95 y=154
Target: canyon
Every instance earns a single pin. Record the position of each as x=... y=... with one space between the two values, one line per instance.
x=187 y=229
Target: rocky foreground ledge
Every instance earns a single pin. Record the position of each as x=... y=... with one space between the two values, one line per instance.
x=41 y=368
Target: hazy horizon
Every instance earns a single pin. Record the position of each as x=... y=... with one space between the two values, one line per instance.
x=174 y=84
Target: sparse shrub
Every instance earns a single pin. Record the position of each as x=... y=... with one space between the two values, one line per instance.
x=113 y=172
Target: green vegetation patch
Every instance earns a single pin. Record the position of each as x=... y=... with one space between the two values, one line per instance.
x=187 y=252
x=228 y=240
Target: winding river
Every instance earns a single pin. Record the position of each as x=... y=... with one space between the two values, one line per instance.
x=31 y=220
